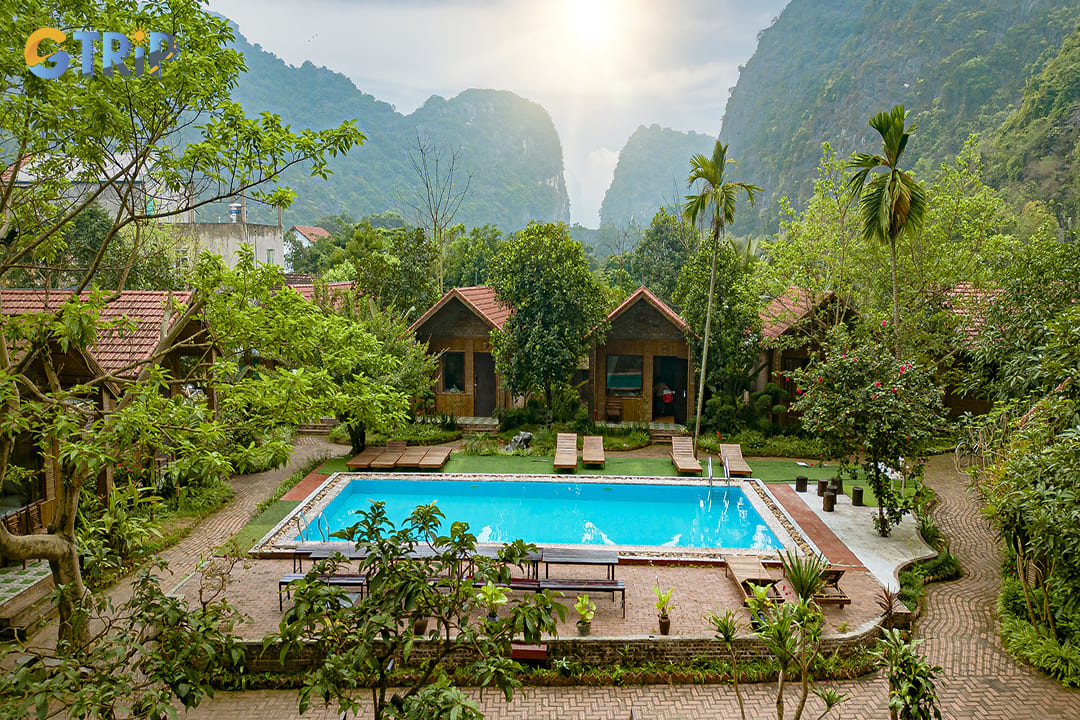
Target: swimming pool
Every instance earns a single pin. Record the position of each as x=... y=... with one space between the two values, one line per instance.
x=586 y=513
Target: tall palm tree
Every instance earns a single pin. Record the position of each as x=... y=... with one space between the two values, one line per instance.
x=716 y=198
x=891 y=202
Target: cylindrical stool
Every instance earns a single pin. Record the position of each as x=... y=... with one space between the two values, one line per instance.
x=838 y=483
x=856 y=496
x=800 y=483
x=822 y=486
x=829 y=501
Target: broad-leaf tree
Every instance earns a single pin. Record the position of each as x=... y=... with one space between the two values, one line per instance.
x=147 y=149
x=715 y=200
x=557 y=307
x=658 y=258
x=873 y=409
x=419 y=569
x=891 y=201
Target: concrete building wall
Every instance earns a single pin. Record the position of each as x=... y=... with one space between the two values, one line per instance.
x=225 y=239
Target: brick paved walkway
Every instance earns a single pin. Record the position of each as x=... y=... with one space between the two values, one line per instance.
x=980 y=681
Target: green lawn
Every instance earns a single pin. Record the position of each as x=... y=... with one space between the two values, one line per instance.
x=770 y=471
x=265 y=522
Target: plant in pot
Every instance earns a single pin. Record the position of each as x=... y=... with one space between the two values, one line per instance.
x=490 y=597
x=664 y=605
x=585 y=609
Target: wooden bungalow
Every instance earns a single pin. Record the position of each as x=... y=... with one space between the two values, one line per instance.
x=458 y=327
x=792 y=325
x=643 y=372
x=114 y=360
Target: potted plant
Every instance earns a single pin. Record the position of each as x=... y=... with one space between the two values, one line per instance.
x=585 y=609
x=491 y=596
x=664 y=605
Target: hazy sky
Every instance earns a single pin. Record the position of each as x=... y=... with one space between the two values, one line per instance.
x=600 y=67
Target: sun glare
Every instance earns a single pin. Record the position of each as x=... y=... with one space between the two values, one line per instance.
x=590 y=23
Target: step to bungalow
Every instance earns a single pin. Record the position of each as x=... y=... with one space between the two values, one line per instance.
x=28 y=610
x=319 y=427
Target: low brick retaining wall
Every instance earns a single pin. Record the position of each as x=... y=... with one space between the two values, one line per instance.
x=600 y=651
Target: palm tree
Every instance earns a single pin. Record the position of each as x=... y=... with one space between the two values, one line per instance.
x=716 y=197
x=891 y=202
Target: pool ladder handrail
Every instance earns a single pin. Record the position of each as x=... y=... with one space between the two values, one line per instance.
x=305 y=531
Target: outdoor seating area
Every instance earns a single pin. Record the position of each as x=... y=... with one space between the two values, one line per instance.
x=397 y=455
x=683 y=456
x=531 y=582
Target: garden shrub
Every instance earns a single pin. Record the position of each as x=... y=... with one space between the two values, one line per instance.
x=1023 y=640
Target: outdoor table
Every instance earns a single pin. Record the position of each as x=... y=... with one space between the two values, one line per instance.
x=568 y=556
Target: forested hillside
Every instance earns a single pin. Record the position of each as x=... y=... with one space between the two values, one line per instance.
x=651 y=173
x=508 y=144
x=1034 y=155
x=960 y=66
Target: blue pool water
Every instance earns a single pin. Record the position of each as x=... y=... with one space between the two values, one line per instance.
x=570 y=513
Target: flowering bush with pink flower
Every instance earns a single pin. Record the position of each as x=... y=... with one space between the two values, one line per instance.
x=845 y=403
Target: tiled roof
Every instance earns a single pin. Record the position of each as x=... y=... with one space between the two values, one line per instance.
x=307 y=290
x=478 y=298
x=785 y=311
x=115 y=351
x=311 y=233
x=970 y=305
x=643 y=293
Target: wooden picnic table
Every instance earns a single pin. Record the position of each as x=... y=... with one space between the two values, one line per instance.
x=573 y=556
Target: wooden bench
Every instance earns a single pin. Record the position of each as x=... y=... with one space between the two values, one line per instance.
x=412 y=457
x=435 y=458
x=359 y=582
x=390 y=455
x=587 y=586
x=363 y=460
x=682 y=455
x=592 y=451
x=733 y=461
x=566 y=451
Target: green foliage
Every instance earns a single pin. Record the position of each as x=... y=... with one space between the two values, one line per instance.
x=541 y=273
x=182 y=652
x=113 y=536
x=663 y=599
x=584 y=607
x=804 y=572
x=468 y=257
x=735 y=322
x=658 y=258
x=912 y=692
x=362 y=638
x=863 y=402
x=1029 y=644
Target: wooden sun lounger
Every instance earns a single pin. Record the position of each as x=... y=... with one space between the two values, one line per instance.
x=435 y=458
x=363 y=460
x=748 y=569
x=566 y=451
x=682 y=455
x=733 y=459
x=830 y=592
x=390 y=455
x=412 y=457
x=592 y=450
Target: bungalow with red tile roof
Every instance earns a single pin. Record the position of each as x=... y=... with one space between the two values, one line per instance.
x=792 y=324
x=643 y=371
x=458 y=327
x=116 y=359
x=309 y=234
